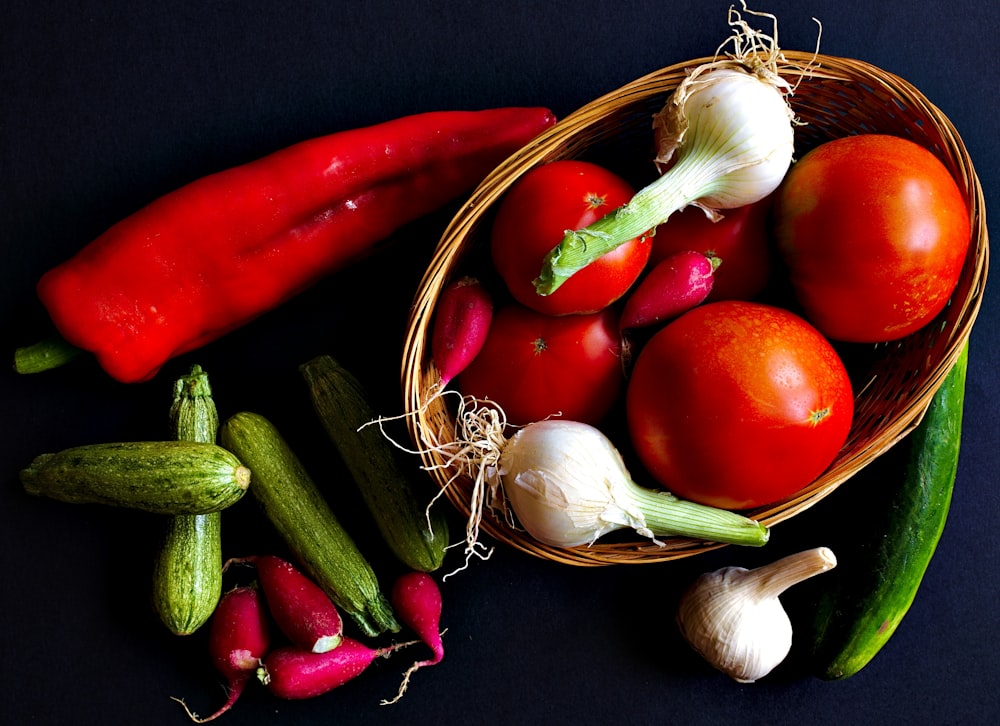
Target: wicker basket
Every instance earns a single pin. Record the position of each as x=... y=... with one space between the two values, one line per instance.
x=836 y=97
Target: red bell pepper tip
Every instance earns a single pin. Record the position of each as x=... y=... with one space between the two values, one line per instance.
x=224 y=249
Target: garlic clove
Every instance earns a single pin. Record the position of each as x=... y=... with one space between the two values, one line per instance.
x=734 y=619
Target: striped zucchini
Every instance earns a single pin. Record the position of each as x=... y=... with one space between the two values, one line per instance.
x=297 y=509
x=884 y=564
x=187 y=573
x=418 y=537
x=163 y=477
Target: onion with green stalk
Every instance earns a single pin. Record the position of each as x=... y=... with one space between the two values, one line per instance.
x=566 y=485
x=724 y=140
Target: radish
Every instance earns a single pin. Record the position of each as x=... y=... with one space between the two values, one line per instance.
x=293 y=673
x=465 y=311
x=676 y=284
x=299 y=606
x=416 y=598
x=237 y=640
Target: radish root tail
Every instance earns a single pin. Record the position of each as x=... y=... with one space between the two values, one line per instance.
x=406 y=678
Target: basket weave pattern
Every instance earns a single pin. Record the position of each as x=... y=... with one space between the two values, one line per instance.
x=835 y=97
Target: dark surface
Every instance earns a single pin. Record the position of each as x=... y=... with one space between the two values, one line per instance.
x=106 y=108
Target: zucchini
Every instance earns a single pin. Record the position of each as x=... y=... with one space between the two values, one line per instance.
x=302 y=517
x=187 y=572
x=881 y=571
x=417 y=536
x=163 y=477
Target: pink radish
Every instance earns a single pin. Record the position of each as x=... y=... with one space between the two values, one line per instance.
x=416 y=598
x=676 y=284
x=293 y=673
x=237 y=640
x=300 y=607
x=464 y=314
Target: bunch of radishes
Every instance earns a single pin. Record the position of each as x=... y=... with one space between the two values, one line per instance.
x=317 y=656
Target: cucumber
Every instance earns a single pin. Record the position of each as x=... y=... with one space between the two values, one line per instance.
x=416 y=536
x=187 y=572
x=163 y=477
x=302 y=517
x=881 y=571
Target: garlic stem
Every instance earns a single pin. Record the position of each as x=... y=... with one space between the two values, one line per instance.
x=769 y=581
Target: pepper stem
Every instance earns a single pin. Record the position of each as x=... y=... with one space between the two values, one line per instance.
x=668 y=515
x=44 y=355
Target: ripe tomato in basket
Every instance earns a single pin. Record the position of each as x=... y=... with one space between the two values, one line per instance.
x=874 y=231
x=738 y=404
x=534 y=365
x=533 y=217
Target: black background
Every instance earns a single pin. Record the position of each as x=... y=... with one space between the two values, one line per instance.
x=106 y=106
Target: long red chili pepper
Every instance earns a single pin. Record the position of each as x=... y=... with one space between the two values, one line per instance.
x=213 y=255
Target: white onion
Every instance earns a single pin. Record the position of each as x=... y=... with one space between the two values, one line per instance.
x=569 y=486
x=724 y=138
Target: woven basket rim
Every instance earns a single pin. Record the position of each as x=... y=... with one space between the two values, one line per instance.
x=418 y=376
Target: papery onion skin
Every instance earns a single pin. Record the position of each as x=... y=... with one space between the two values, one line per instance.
x=745 y=111
x=566 y=494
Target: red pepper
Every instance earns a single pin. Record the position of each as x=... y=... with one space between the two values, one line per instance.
x=213 y=255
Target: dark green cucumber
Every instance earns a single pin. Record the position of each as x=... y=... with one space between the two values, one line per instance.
x=187 y=573
x=163 y=477
x=418 y=537
x=302 y=517
x=880 y=576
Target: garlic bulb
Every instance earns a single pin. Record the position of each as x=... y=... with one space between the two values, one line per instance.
x=733 y=618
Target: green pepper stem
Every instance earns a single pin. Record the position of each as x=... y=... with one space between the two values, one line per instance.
x=44 y=355
x=667 y=515
x=682 y=184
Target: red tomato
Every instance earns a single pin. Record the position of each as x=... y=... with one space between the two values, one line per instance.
x=874 y=231
x=533 y=218
x=536 y=365
x=740 y=240
x=738 y=404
